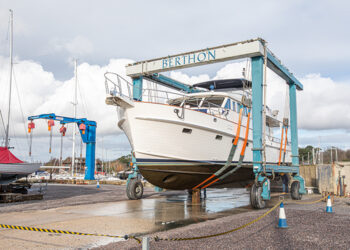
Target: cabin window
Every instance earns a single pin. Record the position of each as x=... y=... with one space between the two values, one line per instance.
x=228 y=104
x=233 y=106
x=214 y=101
x=218 y=137
x=193 y=102
x=245 y=111
x=175 y=102
x=187 y=130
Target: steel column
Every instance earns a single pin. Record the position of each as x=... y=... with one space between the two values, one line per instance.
x=137 y=88
x=257 y=104
x=293 y=124
x=90 y=161
x=90 y=152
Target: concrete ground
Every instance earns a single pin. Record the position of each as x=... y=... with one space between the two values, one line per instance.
x=84 y=208
x=309 y=228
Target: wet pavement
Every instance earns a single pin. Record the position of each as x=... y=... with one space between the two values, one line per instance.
x=309 y=227
x=108 y=211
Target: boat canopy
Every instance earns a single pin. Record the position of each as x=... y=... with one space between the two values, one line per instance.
x=7 y=157
x=224 y=84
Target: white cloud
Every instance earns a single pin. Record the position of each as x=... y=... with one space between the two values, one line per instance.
x=41 y=93
x=19 y=25
x=78 y=46
x=322 y=105
x=184 y=78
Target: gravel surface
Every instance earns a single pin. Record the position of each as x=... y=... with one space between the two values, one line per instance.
x=309 y=228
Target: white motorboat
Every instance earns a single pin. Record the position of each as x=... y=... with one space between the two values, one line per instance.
x=179 y=140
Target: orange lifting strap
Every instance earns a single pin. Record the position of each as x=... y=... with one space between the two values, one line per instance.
x=285 y=146
x=283 y=140
x=235 y=142
x=240 y=158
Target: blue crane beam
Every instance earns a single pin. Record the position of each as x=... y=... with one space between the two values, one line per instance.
x=276 y=66
x=171 y=83
x=88 y=136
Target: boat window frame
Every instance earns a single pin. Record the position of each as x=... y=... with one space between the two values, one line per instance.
x=226 y=101
x=212 y=104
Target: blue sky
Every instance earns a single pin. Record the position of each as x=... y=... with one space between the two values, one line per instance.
x=310 y=37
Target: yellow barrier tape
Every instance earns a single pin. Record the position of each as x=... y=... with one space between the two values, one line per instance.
x=46 y=230
x=338 y=196
x=306 y=202
x=156 y=238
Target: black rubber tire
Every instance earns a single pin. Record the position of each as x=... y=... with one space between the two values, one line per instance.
x=134 y=190
x=256 y=201
x=128 y=191
x=294 y=191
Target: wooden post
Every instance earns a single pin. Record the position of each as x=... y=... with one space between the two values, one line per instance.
x=196 y=196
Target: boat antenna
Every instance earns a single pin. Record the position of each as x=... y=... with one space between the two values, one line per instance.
x=11 y=65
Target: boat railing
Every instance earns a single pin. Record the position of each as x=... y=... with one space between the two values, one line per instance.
x=117 y=85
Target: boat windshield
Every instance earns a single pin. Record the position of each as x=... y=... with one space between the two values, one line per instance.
x=213 y=101
x=193 y=102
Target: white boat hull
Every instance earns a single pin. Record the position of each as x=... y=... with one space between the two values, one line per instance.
x=163 y=150
x=20 y=169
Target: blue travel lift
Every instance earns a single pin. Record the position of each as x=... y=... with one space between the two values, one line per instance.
x=88 y=136
x=255 y=49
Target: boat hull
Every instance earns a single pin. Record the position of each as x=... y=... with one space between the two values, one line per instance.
x=13 y=171
x=186 y=175
x=176 y=152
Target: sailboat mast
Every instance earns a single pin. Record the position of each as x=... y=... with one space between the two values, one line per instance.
x=11 y=65
x=75 y=113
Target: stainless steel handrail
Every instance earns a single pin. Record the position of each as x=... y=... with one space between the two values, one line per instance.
x=150 y=94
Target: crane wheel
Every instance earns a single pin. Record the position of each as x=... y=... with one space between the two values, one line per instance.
x=256 y=200
x=294 y=191
x=134 y=189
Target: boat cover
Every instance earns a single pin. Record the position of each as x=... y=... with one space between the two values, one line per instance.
x=7 y=157
x=224 y=84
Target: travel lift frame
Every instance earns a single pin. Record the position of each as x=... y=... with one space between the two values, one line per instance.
x=257 y=51
x=88 y=136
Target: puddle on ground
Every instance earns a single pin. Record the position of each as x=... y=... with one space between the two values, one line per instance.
x=169 y=211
